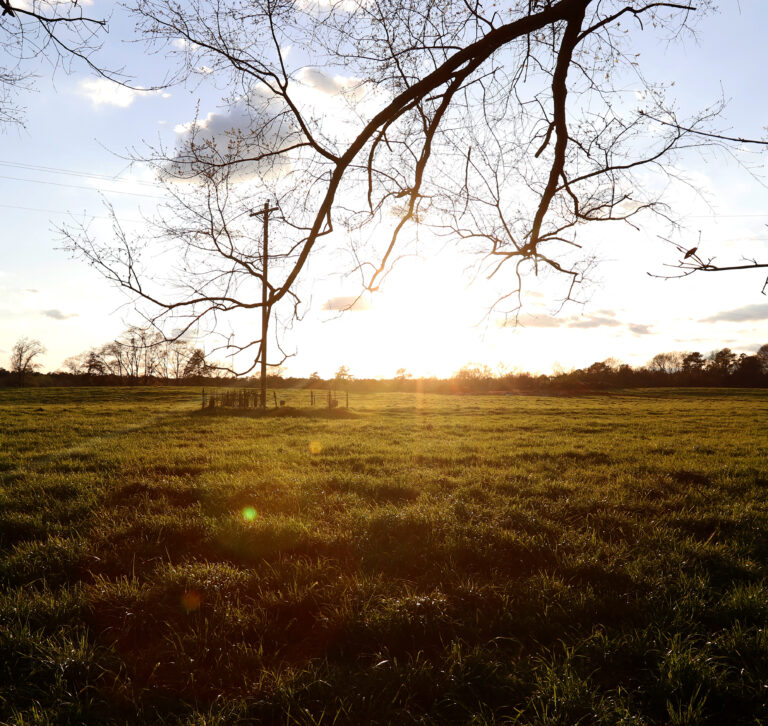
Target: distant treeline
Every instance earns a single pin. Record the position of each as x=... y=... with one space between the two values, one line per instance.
x=720 y=368
x=142 y=357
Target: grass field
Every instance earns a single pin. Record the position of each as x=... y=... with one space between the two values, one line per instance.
x=430 y=560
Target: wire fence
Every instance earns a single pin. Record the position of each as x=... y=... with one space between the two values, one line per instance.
x=250 y=398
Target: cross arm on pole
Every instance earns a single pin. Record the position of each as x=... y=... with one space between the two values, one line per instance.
x=267 y=209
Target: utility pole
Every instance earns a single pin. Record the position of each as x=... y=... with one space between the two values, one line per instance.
x=264 y=310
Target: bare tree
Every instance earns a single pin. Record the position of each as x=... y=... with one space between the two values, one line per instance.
x=694 y=261
x=76 y=365
x=667 y=363
x=140 y=354
x=56 y=32
x=23 y=355
x=508 y=132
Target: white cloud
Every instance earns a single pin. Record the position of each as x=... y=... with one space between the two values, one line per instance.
x=216 y=126
x=251 y=126
x=349 y=86
x=257 y=125
x=187 y=127
x=103 y=92
x=317 y=6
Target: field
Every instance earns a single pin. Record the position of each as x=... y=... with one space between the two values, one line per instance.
x=424 y=560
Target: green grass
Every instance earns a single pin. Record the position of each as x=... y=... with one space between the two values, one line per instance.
x=428 y=560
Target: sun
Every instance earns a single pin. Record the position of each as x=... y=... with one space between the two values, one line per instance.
x=432 y=316
x=426 y=314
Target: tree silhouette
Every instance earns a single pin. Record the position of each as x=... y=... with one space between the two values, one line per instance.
x=666 y=362
x=23 y=355
x=749 y=371
x=693 y=362
x=762 y=355
x=402 y=374
x=506 y=130
x=343 y=374
x=56 y=32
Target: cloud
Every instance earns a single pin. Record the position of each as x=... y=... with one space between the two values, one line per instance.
x=740 y=315
x=103 y=92
x=639 y=329
x=538 y=322
x=251 y=126
x=600 y=319
x=184 y=44
x=236 y=118
x=57 y=314
x=594 y=321
x=317 y=6
x=347 y=302
x=349 y=86
x=259 y=125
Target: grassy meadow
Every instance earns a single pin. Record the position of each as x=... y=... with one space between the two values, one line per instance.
x=422 y=560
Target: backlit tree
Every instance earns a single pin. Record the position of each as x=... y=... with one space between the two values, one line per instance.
x=509 y=131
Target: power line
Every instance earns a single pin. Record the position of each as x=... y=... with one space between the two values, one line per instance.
x=78 y=186
x=73 y=172
x=59 y=211
x=115 y=180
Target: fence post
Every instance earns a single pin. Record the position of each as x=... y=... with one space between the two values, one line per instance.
x=274 y=393
x=347 y=399
x=203 y=397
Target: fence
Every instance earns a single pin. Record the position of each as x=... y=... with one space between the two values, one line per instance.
x=247 y=398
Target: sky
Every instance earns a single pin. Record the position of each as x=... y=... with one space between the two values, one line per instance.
x=429 y=317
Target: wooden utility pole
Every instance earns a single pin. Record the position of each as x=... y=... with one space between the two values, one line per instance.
x=264 y=310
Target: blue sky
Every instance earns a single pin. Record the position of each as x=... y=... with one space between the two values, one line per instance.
x=77 y=124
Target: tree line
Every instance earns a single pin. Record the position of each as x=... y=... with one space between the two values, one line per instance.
x=719 y=368
x=142 y=356
x=137 y=356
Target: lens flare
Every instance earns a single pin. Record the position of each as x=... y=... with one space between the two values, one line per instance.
x=315 y=447
x=249 y=514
